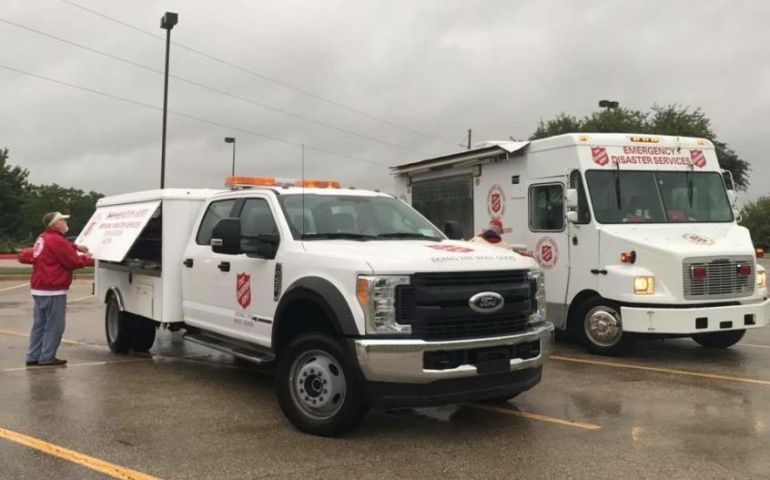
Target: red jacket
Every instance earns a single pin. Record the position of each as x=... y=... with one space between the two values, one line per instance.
x=54 y=259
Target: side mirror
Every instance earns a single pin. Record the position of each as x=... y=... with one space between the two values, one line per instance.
x=453 y=231
x=226 y=236
x=572 y=216
x=732 y=197
x=571 y=198
x=260 y=246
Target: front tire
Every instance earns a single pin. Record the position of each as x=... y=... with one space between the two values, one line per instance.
x=719 y=339
x=601 y=327
x=318 y=387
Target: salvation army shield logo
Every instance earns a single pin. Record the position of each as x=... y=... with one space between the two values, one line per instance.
x=546 y=252
x=698 y=158
x=496 y=201
x=698 y=239
x=599 y=156
x=243 y=290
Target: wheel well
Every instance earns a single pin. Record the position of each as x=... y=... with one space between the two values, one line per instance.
x=298 y=317
x=576 y=303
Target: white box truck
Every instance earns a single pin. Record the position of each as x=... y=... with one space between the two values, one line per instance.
x=636 y=234
x=358 y=299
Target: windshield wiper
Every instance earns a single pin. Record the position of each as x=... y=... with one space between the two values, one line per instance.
x=419 y=236
x=337 y=236
x=617 y=184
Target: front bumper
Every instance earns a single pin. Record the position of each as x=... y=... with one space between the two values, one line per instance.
x=688 y=321
x=402 y=361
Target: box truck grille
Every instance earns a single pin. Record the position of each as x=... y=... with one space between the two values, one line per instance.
x=722 y=278
x=436 y=304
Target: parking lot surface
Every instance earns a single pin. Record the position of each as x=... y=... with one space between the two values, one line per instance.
x=668 y=409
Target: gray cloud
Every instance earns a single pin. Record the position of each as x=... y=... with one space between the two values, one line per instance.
x=436 y=66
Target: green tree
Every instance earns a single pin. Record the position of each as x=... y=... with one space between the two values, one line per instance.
x=661 y=120
x=40 y=199
x=756 y=217
x=13 y=182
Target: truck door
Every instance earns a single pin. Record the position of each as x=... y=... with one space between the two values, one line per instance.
x=254 y=277
x=583 y=244
x=208 y=280
x=548 y=241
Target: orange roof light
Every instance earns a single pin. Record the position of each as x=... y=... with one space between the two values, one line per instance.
x=317 y=183
x=645 y=139
x=237 y=181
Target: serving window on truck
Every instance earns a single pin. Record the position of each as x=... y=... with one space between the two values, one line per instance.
x=446 y=199
x=115 y=233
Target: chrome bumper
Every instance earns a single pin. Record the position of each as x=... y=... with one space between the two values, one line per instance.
x=401 y=361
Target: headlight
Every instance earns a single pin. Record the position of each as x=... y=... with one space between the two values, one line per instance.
x=761 y=279
x=644 y=285
x=377 y=296
x=537 y=285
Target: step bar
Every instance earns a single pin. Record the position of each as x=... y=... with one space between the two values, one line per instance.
x=232 y=347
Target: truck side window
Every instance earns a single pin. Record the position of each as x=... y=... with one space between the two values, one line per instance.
x=576 y=182
x=546 y=207
x=216 y=212
x=257 y=219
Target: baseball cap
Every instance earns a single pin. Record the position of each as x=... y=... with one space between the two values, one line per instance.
x=52 y=217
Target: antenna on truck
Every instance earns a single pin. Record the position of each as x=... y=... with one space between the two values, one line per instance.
x=302 y=216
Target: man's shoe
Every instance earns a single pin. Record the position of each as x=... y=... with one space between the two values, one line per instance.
x=54 y=363
x=32 y=363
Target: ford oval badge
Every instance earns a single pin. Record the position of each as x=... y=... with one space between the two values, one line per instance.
x=486 y=302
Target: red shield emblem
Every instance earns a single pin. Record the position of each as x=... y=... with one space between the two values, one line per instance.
x=243 y=290
x=600 y=156
x=497 y=202
x=546 y=253
x=698 y=158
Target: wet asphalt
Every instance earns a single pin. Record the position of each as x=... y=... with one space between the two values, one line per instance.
x=668 y=409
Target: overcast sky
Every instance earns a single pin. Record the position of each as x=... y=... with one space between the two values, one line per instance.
x=422 y=73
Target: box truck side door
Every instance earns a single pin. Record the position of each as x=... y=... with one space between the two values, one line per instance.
x=208 y=288
x=548 y=241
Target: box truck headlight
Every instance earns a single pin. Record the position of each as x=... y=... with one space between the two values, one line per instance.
x=761 y=278
x=644 y=285
x=377 y=296
x=537 y=287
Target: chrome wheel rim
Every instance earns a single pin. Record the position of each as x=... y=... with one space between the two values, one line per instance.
x=603 y=326
x=317 y=384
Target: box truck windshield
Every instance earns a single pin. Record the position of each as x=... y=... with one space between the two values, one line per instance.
x=620 y=196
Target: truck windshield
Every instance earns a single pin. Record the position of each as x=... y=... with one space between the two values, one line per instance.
x=355 y=218
x=620 y=196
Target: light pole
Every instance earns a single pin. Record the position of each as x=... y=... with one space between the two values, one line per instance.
x=232 y=140
x=609 y=104
x=167 y=23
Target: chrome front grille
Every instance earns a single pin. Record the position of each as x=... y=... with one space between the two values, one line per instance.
x=722 y=279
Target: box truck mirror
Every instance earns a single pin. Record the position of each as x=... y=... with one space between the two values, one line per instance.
x=571 y=198
x=572 y=216
x=453 y=231
x=732 y=197
x=226 y=236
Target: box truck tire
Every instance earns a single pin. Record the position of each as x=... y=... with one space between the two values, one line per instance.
x=601 y=327
x=719 y=339
x=116 y=327
x=318 y=387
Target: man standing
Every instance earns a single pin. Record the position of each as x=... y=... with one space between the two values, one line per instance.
x=493 y=235
x=54 y=259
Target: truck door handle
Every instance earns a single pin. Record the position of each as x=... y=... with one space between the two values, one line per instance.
x=224 y=266
x=188 y=262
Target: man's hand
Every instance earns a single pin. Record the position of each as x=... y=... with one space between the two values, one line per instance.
x=82 y=248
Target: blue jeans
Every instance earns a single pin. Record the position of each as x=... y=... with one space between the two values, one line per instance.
x=47 y=328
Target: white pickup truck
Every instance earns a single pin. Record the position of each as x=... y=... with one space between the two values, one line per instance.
x=359 y=300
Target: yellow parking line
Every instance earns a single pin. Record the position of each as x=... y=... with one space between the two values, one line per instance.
x=6 y=289
x=536 y=416
x=672 y=371
x=69 y=365
x=80 y=298
x=64 y=340
x=107 y=468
